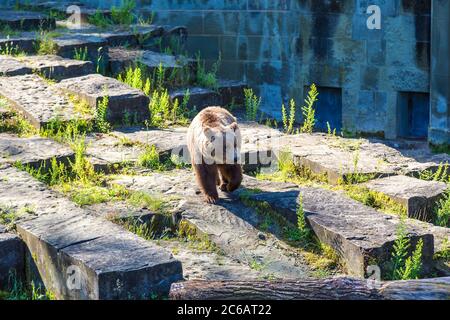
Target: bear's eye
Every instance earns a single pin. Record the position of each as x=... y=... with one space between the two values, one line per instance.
x=213 y=139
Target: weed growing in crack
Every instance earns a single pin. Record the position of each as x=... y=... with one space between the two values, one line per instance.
x=308 y=111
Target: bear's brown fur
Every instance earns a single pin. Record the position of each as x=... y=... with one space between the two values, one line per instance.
x=214 y=143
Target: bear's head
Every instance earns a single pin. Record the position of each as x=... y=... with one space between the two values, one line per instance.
x=222 y=145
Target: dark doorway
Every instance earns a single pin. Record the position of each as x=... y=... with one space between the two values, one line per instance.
x=328 y=108
x=413 y=115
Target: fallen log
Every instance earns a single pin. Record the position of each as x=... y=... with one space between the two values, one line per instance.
x=341 y=288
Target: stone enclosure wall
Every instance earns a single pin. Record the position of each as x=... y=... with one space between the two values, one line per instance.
x=370 y=81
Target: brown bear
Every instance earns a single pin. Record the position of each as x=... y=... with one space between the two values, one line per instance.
x=214 y=143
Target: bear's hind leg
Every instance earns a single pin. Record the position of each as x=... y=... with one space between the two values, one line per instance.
x=207 y=176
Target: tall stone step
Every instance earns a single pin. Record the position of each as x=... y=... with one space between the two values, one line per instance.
x=78 y=256
x=123 y=101
x=35 y=151
x=39 y=101
x=61 y=7
x=12 y=258
x=121 y=58
x=25 y=21
x=360 y=235
x=419 y=197
x=50 y=66
x=230 y=225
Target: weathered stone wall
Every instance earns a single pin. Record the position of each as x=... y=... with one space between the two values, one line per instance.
x=377 y=80
x=440 y=74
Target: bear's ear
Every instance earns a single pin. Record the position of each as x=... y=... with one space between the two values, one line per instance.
x=234 y=126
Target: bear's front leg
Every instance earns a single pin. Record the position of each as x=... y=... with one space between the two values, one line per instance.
x=207 y=176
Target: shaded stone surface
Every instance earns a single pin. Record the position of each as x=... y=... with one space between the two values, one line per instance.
x=124 y=101
x=33 y=151
x=133 y=35
x=12 y=258
x=19 y=43
x=23 y=20
x=37 y=100
x=360 y=235
x=64 y=240
x=232 y=92
x=231 y=225
x=199 y=98
x=122 y=58
x=68 y=44
x=418 y=196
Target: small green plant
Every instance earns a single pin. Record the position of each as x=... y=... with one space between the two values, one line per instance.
x=288 y=121
x=150 y=158
x=15 y=122
x=46 y=45
x=402 y=266
x=442 y=211
x=442 y=174
x=9 y=49
x=331 y=133
x=252 y=104
x=99 y=19
x=81 y=54
x=206 y=78
x=101 y=123
x=123 y=15
x=308 y=111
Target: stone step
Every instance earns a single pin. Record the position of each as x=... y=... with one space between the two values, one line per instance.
x=39 y=101
x=199 y=98
x=61 y=8
x=360 y=235
x=25 y=21
x=121 y=58
x=210 y=266
x=125 y=145
x=417 y=196
x=50 y=66
x=337 y=156
x=230 y=225
x=79 y=256
x=96 y=47
x=124 y=101
x=227 y=93
x=36 y=152
x=17 y=43
x=129 y=36
x=12 y=258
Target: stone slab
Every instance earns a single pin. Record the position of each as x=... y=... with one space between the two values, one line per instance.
x=38 y=100
x=33 y=151
x=25 y=21
x=68 y=44
x=132 y=36
x=20 y=43
x=417 y=196
x=359 y=234
x=58 y=68
x=231 y=225
x=12 y=67
x=123 y=99
x=232 y=92
x=49 y=66
x=336 y=156
x=64 y=242
x=122 y=58
x=199 y=98
x=12 y=258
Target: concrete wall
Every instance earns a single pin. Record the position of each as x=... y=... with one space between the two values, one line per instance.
x=282 y=46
